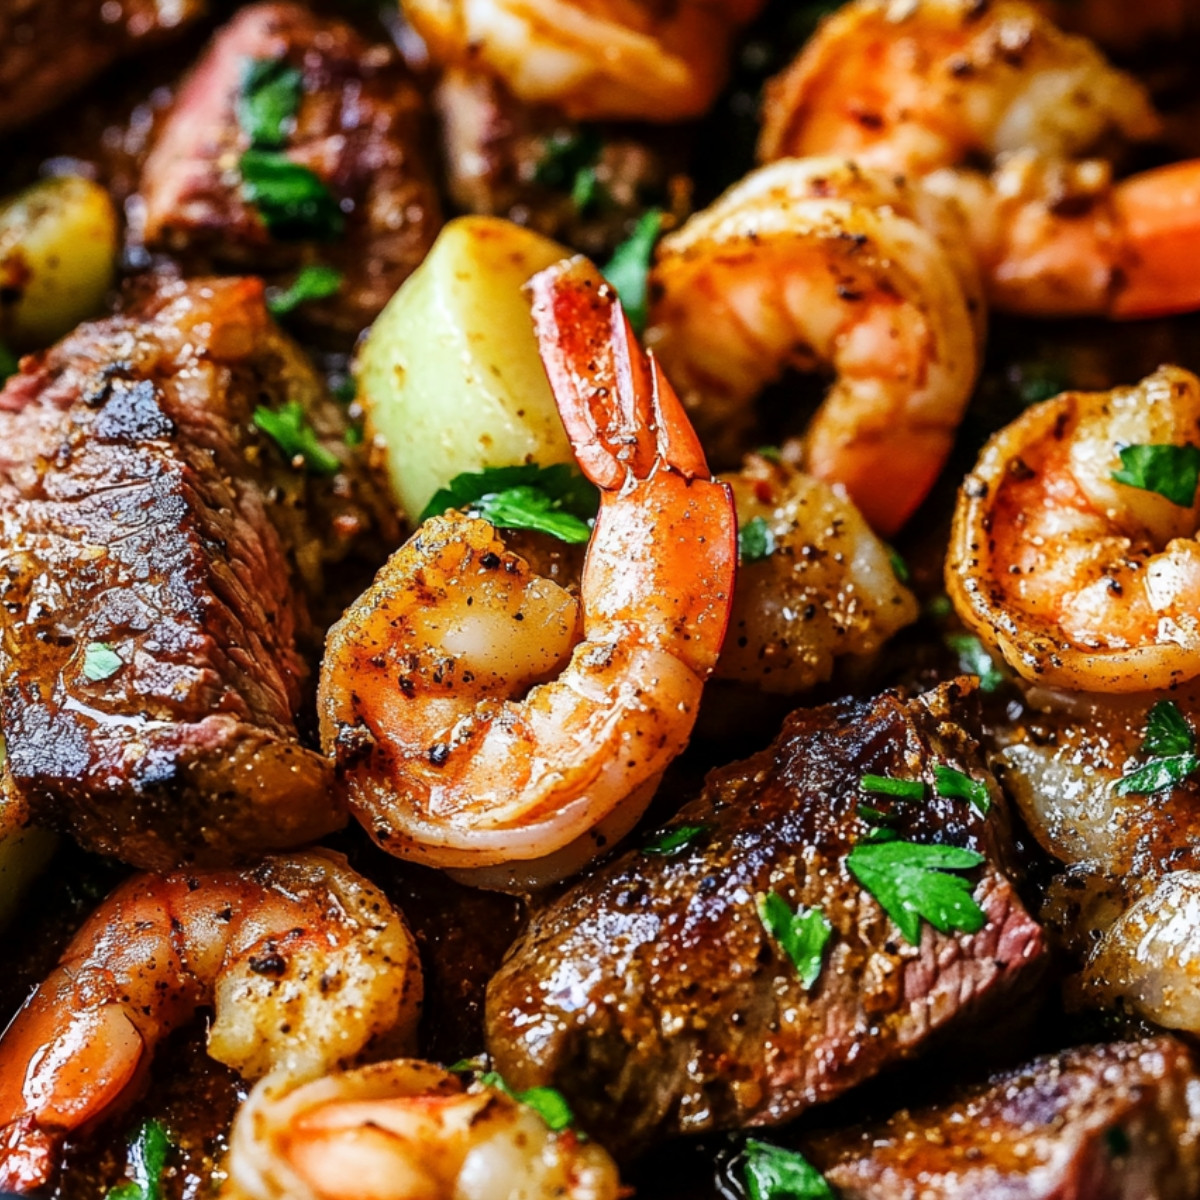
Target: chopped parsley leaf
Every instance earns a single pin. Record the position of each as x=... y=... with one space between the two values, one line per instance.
x=473 y=1065
x=549 y=1103
x=629 y=268
x=292 y=200
x=148 y=1150
x=1172 y=472
x=756 y=541
x=554 y=499
x=899 y=566
x=873 y=815
x=902 y=789
x=668 y=842
x=1036 y=381
x=974 y=659
x=802 y=934
x=771 y=453
x=912 y=881
x=8 y=363
x=354 y=436
x=100 y=662
x=938 y=608
x=288 y=427
x=312 y=283
x=773 y=1173
x=1170 y=743
x=954 y=785
x=269 y=99
x=569 y=162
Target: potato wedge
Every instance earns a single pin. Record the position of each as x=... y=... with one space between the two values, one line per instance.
x=58 y=251
x=449 y=374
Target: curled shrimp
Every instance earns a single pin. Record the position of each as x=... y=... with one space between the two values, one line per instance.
x=304 y=963
x=817 y=586
x=482 y=715
x=405 y=1130
x=926 y=87
x=592 y=59
x=1080 y=580
x=817 y=263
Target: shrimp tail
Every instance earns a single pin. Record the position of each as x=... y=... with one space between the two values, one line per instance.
x=633 y=440
x=619 y=409
x=1159 y=212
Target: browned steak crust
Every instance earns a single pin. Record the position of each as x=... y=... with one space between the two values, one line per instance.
x=51 y=48
x=359 y=129
x=141 y=510
x=1119 y=1122
x=651 y=995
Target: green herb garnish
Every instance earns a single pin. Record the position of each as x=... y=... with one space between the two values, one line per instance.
x=911 y=881
x=902 y=789
x=291 y=199
x=8 y=363
x=668 y=842
x=954 y=785
x=148 y=1150
x=100 y=662
x=773 y=1173
x=288 y=427
x=974 y=659
x=549 y=1103
x=569 y=162
x=312 y=283
x=1117 y=1142
x=771 y=453
x=873 y=815
x=1170 y=743
x=1037 y=381
x=268 y=100
x=899 y=566
x=629 y=268
x=1172 y=472
x=756 y=541
x=554 y=499
x=802 y=934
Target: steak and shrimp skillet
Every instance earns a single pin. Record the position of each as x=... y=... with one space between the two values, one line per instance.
x=600 y=599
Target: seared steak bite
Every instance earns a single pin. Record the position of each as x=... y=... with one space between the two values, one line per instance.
x=340 y=118
x=1118 y=1122
x=51 y=48
x=652 y=994
x=155 y=553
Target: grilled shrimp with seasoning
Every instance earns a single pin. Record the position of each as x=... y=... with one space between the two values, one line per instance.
x=304 y=963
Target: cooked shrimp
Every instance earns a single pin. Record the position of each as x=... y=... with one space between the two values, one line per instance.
x=304 y=963
x=592 y=59
x=818 y=263
x=1126 y=903
x=482 y=715
x=824 y=588
x=406 y=1130
x=1080 y=580
x=926 y=87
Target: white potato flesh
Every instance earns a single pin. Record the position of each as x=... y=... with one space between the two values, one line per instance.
x=449 y=374
x=58 y=253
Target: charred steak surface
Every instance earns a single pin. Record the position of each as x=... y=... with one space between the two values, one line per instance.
x=155 y=554
x=1115 y=1122
x=651 y=994
x=358 y=129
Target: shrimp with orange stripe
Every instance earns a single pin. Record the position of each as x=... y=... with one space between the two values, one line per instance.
x=926 y=88
x=486 y=719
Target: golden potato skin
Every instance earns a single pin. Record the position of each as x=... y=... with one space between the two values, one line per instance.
x=449 y=374
x=58 y=251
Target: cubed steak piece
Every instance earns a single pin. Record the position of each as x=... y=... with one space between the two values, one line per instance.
x=691 y=986
x=295 y=142
x=1117 y=1122
x=156 y=549
x=50 y=48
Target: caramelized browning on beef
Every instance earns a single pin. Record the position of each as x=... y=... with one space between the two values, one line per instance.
x=651 y=995
x=1119 y=1122
x=155 y=551
x=51 y=48
x=358 y=128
